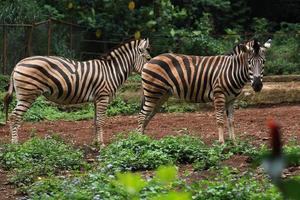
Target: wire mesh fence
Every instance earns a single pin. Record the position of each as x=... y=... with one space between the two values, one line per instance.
x=51 y=37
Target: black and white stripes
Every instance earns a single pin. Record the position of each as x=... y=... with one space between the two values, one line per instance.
x=202 y=79
x=67 y=81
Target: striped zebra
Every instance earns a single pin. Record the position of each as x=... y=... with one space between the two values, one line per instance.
x=65 y=81
x=200 y=79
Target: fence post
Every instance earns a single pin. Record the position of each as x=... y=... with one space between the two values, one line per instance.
x=49 y=37
x=29 y=40
x=4 y=70
x=71 y=36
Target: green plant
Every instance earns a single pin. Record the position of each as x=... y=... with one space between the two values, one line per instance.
x=85 y=186
x=137 y=152
x=4 y=82
x=43 y=110
x=284 y=57
x=20 y=11
x=218 y=152
x=131 y=183
x=179 y=107
x=119 y=106
x=39 y=157
x=261 y=26
x=230 y=184
x=256 y=156
x=100 y=186
x=165 y=184
x=176 y=147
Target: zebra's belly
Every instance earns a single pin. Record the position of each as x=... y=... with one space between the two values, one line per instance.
x=68 y=101
x=205 y=97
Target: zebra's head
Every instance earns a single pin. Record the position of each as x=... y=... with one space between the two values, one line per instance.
x=255 y=61
x=143 y=55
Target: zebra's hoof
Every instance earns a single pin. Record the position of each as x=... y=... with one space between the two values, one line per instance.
x=14 y=141
x=222 y=141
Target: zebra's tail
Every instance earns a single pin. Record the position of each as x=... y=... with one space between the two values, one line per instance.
x=8 y=97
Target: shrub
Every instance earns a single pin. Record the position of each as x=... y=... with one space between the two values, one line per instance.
x=43 y=110
x=119 y=106
x=230 y=184
x=100 y=186
x=218 y=152
x=4 y=82
x=284 y=56
x=39 y=157
x=137 y=152
x=291 y=151
x=88 y=186
x=182 y=149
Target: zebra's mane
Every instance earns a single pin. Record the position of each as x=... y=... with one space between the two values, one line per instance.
x=108 y=56
x=256 y=46
x=236 y=46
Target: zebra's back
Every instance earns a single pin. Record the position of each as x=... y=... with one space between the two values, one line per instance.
x=191 y=78
x=61 y=80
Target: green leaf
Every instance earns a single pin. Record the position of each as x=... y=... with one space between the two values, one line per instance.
x=166 y=174
x=173 y=196
x=172 y=32
x=133 y=183
x=290 y=189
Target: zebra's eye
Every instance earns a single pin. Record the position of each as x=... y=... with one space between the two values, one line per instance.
x=249 y=62
x=263 y=61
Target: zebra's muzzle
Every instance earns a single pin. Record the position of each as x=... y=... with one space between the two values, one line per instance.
x=257 y=84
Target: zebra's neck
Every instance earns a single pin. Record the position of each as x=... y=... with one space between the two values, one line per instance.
x=237 y=71
x=119 y=66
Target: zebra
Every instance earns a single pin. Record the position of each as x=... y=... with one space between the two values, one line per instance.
x=66 y=81
x=201 y=79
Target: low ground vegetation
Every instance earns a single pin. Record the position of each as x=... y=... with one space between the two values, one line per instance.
x=129 y=168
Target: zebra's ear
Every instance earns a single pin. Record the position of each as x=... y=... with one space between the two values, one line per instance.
x=268 y=44
x=244 y=48
x=143 y=44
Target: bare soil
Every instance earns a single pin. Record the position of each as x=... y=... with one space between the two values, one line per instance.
x=249 y=124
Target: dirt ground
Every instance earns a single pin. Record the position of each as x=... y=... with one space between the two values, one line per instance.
x=249 y=124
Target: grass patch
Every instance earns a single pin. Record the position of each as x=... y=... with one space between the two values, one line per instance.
x=119 y=106
x=43 y=110
x=140 y=152
x=39 y=157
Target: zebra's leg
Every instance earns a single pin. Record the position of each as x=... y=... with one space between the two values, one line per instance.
x=150 y=106
x=159 y=103
x=100 y=106
x=219 y=103
x=15 y=118
x=230 y=119
x=95 y=118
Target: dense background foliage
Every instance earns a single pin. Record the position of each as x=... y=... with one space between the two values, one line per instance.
x=185 y=26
